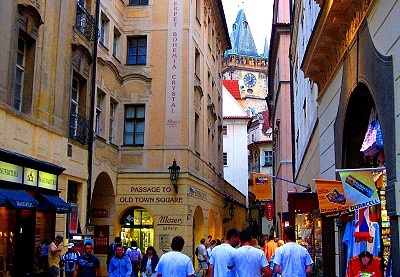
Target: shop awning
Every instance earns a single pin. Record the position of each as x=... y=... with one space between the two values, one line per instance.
x=53 y=204
x=3 y=201
x=19 y=199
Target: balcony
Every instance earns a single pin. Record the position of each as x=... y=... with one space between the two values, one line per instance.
x=79 y=129
x=85 y=22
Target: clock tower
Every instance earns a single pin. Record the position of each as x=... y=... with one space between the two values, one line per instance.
x=243 y=63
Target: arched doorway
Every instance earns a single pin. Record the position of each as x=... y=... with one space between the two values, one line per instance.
x=198 y=230
x=211 y=223
x=137 y=224
x=218 y=229
x=356 y=122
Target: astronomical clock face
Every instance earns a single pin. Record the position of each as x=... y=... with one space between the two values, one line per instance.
x=250 y=80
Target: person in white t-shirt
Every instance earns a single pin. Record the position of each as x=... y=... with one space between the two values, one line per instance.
x=221 y=254
x=248 y=260
x=292 y=259
x=175 y=263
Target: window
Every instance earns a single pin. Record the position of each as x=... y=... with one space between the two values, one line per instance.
x=134 y=125
x=224 y=130
x=99 y=114
x=103 y=30
x=197 y=133
x=74 y=106
x=113 y=106
x=137 y=48
x=268 y=158
x=116 y=38
x=79 y=126
x=197 y=63
x=198 y=10
x=24 y=67
x=225 y=158
x=139 y=2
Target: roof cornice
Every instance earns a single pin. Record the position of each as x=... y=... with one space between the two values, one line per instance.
x=334 y=31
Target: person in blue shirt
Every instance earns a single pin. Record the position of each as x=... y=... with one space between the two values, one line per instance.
x=87 y=265
x=120 y=265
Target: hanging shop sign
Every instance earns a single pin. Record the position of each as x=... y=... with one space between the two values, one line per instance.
x=359 y=188
x=269 y=210
x=331 y=197
x=100 y=213
x=262 y=186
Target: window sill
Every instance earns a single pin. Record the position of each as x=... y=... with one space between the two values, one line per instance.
x=103 y=46
x=100 y=138
x=116 y=58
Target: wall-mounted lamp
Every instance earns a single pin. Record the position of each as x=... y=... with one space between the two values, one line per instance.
x=174 y=174
x=231 y=212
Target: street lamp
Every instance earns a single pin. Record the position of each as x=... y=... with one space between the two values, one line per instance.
x=174 y=174
x=231 y=212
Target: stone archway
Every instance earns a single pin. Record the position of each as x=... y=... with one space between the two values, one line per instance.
x=218 y=229
x=103 y=204
x=198 y=231
x=211 y=224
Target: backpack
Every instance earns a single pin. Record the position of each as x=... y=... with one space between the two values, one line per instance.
x=134 y=255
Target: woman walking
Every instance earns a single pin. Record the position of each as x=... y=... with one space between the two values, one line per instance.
x=149 y=263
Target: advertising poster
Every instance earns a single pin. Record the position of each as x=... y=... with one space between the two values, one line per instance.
x=73 y=219
x=101 y=239
x=331 y=196
x=359 y=188
x=262 y=186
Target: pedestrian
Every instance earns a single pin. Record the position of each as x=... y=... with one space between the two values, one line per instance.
x=270 y=247
x=209 y=238
x=149 y=263
x=364 y=264
x=292 y=259
x=220 y=256
x=201 y=254
x=44 y=255
x=248 y=260
x=135 y=255
x=120 y=265
x=69 y=260
x=174 y=263
x=54 y=256
x=87 y=264
x=111 y=250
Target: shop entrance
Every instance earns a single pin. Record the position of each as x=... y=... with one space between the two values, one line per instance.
x=137 y=224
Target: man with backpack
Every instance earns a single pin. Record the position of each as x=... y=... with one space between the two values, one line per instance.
x=135 y=255
x=70 y=259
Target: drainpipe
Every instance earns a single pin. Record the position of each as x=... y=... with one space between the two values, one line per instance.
x=92 y=111
x=292 y=98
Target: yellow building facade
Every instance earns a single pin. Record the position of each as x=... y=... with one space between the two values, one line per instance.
x=150 y=90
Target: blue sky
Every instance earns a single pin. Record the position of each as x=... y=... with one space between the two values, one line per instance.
x=259 y=15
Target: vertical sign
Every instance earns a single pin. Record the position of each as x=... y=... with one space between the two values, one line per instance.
x=174 y=73
x=269 y=210
x=101 y=239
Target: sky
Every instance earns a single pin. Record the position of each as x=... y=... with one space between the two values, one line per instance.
x=258 y=14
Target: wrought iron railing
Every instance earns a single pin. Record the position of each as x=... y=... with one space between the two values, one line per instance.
x=85 y=22
x=79 y=129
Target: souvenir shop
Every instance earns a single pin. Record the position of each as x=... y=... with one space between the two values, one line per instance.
x=29 y=202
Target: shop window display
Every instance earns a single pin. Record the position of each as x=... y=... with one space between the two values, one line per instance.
x=137 y=224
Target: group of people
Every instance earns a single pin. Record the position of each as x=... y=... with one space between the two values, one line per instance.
x=72 y=262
